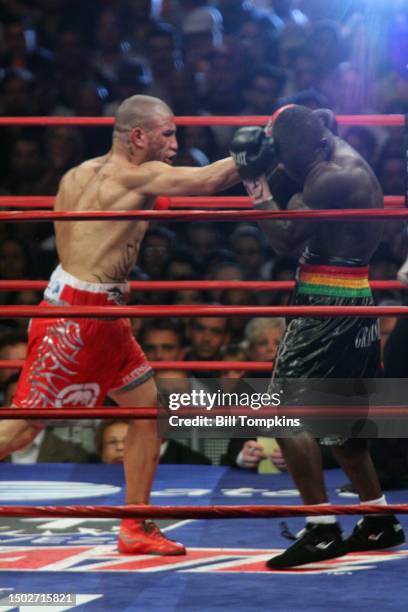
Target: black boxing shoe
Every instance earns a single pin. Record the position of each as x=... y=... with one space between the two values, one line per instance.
x=376 y=533
x=316 y=542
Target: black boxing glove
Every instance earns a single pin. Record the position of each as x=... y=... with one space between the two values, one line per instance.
x=282 y=187
x=328 y=119
x=253 y=152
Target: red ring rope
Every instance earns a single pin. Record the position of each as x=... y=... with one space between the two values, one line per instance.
x=206 y=202
x=37 y=285
x=202 y=215
x=197 y=512
x=209 y=366
x=146 y=412
x=385 y=120
x=88 y=312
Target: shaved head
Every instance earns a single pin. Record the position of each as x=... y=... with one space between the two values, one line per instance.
x=298 y=134
x=139 y=111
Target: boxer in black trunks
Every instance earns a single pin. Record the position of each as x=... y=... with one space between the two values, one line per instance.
x=317 y=170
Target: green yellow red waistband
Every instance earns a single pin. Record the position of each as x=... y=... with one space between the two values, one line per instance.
x=338 y=281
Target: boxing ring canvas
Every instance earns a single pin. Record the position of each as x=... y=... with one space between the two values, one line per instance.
x=224 y=567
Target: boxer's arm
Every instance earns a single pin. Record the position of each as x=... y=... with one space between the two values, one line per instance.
x=326 y=187
x=157 y=178
x=285 y=235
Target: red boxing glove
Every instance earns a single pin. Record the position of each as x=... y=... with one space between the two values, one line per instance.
x=162 y=203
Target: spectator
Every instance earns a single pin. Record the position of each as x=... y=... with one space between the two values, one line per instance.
x=21 y=52
x=259 y=41
x=157 y=246
x=171 y=451
x=325 y=45
x=236 y=13
x=133 y=77
x=199 y=137
x=89 y=101
x=206 y=337
x=262 y=90
x=16 y=88
x=109 y=46
x=110 y=441
x=216 y=260
x=248 y=245
x=263 y=336
x=26 y=167
x=71 y=54
x=63 y=150
x=16 y=259
x=141 y=18
x=303 y=73
x=233 y=352
x=162 y=340
x=225 y=270
x=202 y=239
x=181 y=266
x=202 y=35
x=391 y=174
x=165 y=61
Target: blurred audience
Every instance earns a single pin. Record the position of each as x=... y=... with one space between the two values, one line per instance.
x=226 y=57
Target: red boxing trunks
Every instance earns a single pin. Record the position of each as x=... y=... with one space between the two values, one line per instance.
x=80 y=361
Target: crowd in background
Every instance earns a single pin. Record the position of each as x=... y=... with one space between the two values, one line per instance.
x=221 y=57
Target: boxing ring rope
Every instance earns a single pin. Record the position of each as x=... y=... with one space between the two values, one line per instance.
x=88 y=312
x=202 y=215
x=196 y=512
x=196 y=202
x=151 y=413
x=38 y=285
x=381 y=120
x=208 y=366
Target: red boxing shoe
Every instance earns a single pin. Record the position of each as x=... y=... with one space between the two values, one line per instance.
x=138 y=537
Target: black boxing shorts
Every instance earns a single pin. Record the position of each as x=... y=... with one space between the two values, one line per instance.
x=328 y=348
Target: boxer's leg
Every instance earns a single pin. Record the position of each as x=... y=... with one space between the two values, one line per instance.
x=142 y=444
x=142 y=449
x=303 y=459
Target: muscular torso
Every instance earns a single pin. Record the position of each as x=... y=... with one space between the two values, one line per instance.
x=99 y=251
x=352 y=239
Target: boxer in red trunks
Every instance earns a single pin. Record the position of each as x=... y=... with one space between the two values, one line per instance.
x=80 y=361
